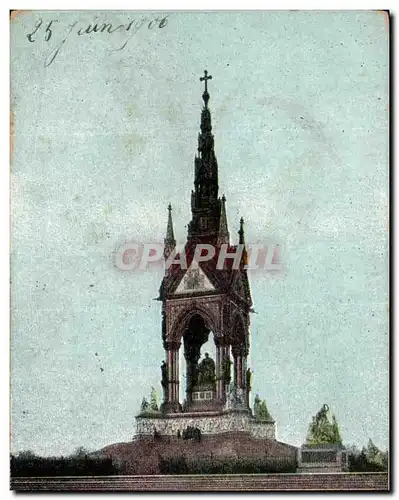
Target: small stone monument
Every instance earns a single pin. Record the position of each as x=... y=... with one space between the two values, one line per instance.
x=323 y=450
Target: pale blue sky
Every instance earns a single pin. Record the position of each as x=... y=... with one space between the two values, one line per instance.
x=104 y=140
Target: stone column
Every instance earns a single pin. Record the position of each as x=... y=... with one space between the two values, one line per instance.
x=165 y=380
x=189 y=379
x=191 y=355
x=238 y=372
x=172 y=360
x=218 y=373
x=235 y=370
x=245 y=384
x=244 y=371
x=169 y=362
x=224 y=355
x=240 y=364
x=175 y=376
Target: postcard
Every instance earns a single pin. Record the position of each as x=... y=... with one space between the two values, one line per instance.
x=199 y=250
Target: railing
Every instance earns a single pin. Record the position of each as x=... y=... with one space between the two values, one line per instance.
x=233 y=465
x=319 y=456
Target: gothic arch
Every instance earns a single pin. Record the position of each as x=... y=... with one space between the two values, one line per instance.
x=183 y=320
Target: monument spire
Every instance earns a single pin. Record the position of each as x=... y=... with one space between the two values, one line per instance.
x=205 y=205
x=223 y=235
x=241 y=240
x=169 y=241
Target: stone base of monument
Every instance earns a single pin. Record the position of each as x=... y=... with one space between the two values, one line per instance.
x=209 y=423
x=167 y=408
x=203 y=405
x=315 y=458
x=144 y=454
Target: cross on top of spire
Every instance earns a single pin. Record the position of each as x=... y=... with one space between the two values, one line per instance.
x=205 y=95
x=205 y=79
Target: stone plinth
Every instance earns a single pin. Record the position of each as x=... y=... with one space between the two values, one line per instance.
x=209 y=423
x=314 y=458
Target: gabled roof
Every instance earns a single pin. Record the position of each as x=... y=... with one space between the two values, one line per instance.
x=218 y=281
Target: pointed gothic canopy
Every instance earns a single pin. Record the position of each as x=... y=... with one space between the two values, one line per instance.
x=205 y=204
x=223 y=235
x=169 y=241
x=208 y=225
x=241 y=240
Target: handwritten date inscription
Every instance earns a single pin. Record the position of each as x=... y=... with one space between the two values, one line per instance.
x=52 y=31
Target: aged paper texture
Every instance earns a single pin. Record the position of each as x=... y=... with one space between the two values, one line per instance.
x=199 y=258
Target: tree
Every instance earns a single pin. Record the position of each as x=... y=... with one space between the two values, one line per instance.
x=368 y=459
x=26 y=455
x=80 y=452
x=371 y=450
x=373 y=454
